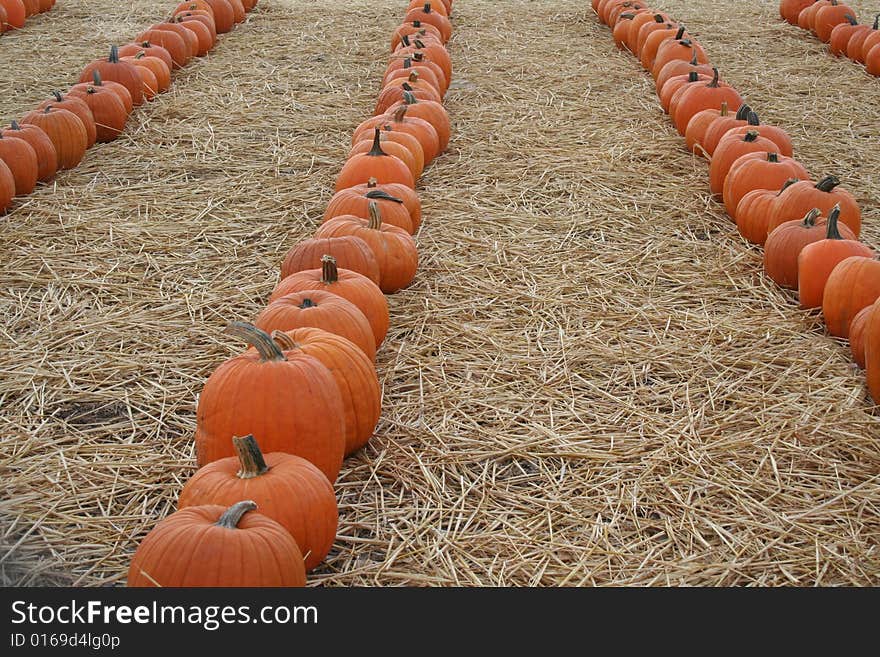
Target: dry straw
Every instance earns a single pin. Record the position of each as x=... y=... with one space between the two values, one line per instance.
x=590 y=381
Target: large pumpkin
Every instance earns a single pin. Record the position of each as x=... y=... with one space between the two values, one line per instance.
x=319 y=309
x=758 y=171
x=114 y=70
x=816 y=261
x=394 y=248
x=432 y=112
x=21 y=159
x=77 y=106
x=354 y=372
x=215 y=546
x=286 y=488
x=350 y=253
x=695 y=98
x=827 y=18
x=354 y=287
x=65 y=130
x=290 y=404
x=107 y=109
x=796 y=200
x=853 y=284
x=774 y=133
x=753 y=212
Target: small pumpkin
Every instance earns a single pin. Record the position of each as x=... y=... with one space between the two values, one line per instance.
x=753 y=212
x=729 y=149
x=427 y=51
x=672 y=49
x=872 y=61
x=376 y=163
x=190 y=39
x=758 y=171
x=238 y=12
x=390 y=147
x=354 y=372
x=695 y=98
x=286 y=488
x=794 y=201
x=216 y=546
x=289 y=403
x=675 y=84
x=807 y=16
x=828 y=17
x=65 y=130
x=392 y=93
x=680 y=67
x=201 y=23
x=656 y=38
x=224 y=15
x=394 y=248
x=642 y=27
x=400 y=121
x=816 y=261
x=785 y=242
x=113 y=87
x=158 y=68
x=407 y=195
x=356 y=201
x=872 y=39
x=47 y=156
x=114 y=70
x=412 y=27
x=31 y=7
x=319 y=309
x=350 y=252
x=853 y=284
x=426 y=74
x=351 y=286
x=432 y=112
x=76 y=106
x=410 y=143
x=21 y=159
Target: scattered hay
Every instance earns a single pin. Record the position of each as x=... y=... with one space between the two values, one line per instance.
x=590 y=381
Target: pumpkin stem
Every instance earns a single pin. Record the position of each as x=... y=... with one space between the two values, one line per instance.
x=751 y=136
x=58 y=96
x=850 y=19
x=742 y=113
x=419 y=43
x=375 y=221
x=406 y=86
x=114 y=55
x=329 y=272
x=417 y=24
x=724 y=109
x=371 y=183
x=96 y=78
x=284 y=340
x=658 y=18
x=788 y=183
x=250 y=457
x=694 y=58
x=833 y=233
x=233 y=515
x=308 y=303
x=407 y=63
x=827 y=184
x=413 y=77
x=376 y=150
x=715 y=76
x=418 y=56
x=693 y=76
x=400 y=114
x=140 y=55
x=680 y=33
x=409 y=98
x=811 y=216
x=405 y=40
x=14 y=125
x=427 y=8
x=773 y=157
x=383 y=195
x=877 y=22
x=753 y=119
x=259 y=340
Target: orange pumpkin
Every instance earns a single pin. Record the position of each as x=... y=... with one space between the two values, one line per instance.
x=7 y=187
x=350 y=253
x=753 y=212
x=289 y=403
x=356 y=201
x=853 y=284
x=21 y=159
x=47 y=156
x=758 y=171
x=215 y=546
x=798 y=199
x=65 y=130
x=730 y=149
x=107 y=109
x=432 y=112
x=872 y=352
x=114 y=70
x=75 y=106
x=857 y=331
x=286 y=488
x=374 y=164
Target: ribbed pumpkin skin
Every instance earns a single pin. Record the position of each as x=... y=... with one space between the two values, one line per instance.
x=729 y=150
x=854 y=284
x=21 y=159
x=356 y=376
x=238 y=12
x=289 y=406
x=752 y=214
x=758 y=171
x=857 y=330
x=673 y=49
x=827 y=18
x=418 y=128
x=350 y=252
x=393 y=247
x=408 y=195
x=107 y=109
x=171 y=42
x=774 y=133
x=330 y=312
x=65 y=130
x=149 y=49
x=15 y=13
x=653 y=41
x=116 y=71
x=784 y=245
x=393 y=148
x=800 y=198
x=293 y=493
x=432 y=112
x=190 y=40
x=224 y=15
x=7 y=187
x=31 y=7
x=47 y=157
x=399 y=75
x=789 y=9
x=351 y=201
x=392 y=93
x=643 y=26
x=433 y=18
x=201 y=31
x=351 y=286
x=187 y=549
x=384 y=168
x=841 y=35
x=695 y=133
x=78 y=107
x=698 y=97
x=160 y=70
x=872 y=352
x=816 y=261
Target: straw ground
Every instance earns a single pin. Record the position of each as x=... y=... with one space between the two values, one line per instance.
x=590 y=381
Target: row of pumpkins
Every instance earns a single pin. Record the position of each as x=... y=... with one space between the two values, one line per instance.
x=59 y=131
x=274 y=423
x=14 y=13
x=809 y=230
x=837 y=24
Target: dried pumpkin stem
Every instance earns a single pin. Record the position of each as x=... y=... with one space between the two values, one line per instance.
x=742 y=114
x=114 y=55
x=250 y=457
x=811 y=216
x=308 y=303
x=375 y=220
x=96 y=78
x=409 y=98
x=400 y=114
x=382 y=195
x=715 y=77
x=259 y=340
x=680 y=33
x=376 y=150
x=694 y=58
x=827 y=183
x=371 y=183
x=234 y=514
x=833 y=232
x=773 y=157
x=329 y=272
x=788 y=183
x=413 y=77
x=407 y=63
x=58 y=96
x=751 y=136
x=284 y=340
x=753 y=119
x=724 y=109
